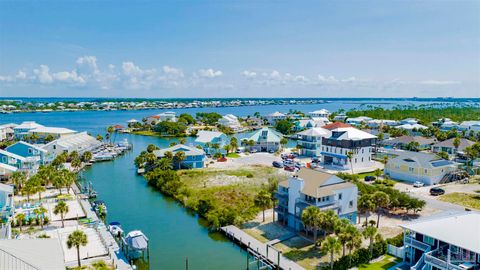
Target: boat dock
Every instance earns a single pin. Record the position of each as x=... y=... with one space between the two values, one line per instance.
x=262 y=252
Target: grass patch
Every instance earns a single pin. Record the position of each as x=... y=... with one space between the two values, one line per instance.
x=464 y=199
x=146 y=133
x=233 y=155
x=386 y=263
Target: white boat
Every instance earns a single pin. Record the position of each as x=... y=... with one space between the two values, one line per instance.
x=115 y=229
x=136 y=243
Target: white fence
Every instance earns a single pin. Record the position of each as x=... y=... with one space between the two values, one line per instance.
x=398 y=252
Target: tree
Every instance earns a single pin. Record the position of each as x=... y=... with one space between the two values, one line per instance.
x=365 y=204
x=380 y=200
x=311 y=220
x=355 y=241
x=234 y=143
x=99 y=137
x=76 y=239
x=284 y=126
x=40 y=213
x=76 y=163
x=263 y=200
x=151 y=148
x=168 y=155
x=62 y=209
x=283 y=142
x=178 y=158
x=86 y=156
x=369 y=233
x=377 y=173
x=182 y=141
x=110 y=130
x=164 y=164
x=443 y=155
x=350 y=157
x=456 y=143
x=227 y=148
x=331 y=246
x=18 y=178
x=37 y=185
x=20 y=218
x=328 y=221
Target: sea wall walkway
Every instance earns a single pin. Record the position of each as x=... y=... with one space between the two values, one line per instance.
x=264 y=251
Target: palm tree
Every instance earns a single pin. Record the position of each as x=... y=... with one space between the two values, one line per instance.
x=68 y=178
x=182 y=141
x=331 y=246
x=28 y=189
x=76 y=239
x=40 y=213
x=350 y=157
x=365 y=204
x=168 y=155
x=207 y=146
x=283 y=142
x=110 y=130
x=370 y=233
x=87 y=156
x=76 y=163
x=18 y=178
x=216 y=146
x=456 y=143
x=62 y=209
x=377 y=173
x=328 y=220
x=354 y=242
x=263 y=200
x=20 y=218
x=311 y=220
x=179 y=157
x=99 y=137
x=37 y=187
x=385 y=159
x=234 y=143
x=380 y=200
x=227 y=148
x=164 y=164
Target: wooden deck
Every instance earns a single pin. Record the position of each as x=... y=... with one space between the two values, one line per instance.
x=265 y=252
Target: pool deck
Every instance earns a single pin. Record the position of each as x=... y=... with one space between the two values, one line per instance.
x=264 y=250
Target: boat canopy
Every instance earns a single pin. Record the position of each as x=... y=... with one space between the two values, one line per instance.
x=116 y=223
x=136 y=240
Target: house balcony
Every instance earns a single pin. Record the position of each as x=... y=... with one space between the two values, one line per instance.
x=302 y=204
x=438 y=259
x=416 y=244
x=281 y=195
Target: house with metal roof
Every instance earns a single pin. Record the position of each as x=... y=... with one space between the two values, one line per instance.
x=28 y=165
x=80 y=142
x=206 y=139
x=412 y=129
x=315 y=188
x=194 y=157
x=443 y=243
x=23 y=129
x=39 y=254
x=274 y=117
x=161 y=117
x=411 y=166
x=55 y=132
x=265 y=140
x=319 y=113
x=230 y=121
x=25 y=149
x=310 y=141
x=357 y=121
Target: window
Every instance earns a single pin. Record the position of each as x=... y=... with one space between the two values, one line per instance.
x=355 y=160
x=30 y=150
x=350 y=203
x=428 y=240
x=362 y=159
x=339 y=196
x=410 y=169
x=362 y=150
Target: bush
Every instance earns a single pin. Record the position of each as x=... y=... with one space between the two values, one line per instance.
x=396 y=241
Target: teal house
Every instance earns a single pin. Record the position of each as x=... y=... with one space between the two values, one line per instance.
x=28 y=165
x=25 y=149
x=264 y=140
x=194 y=157
x=208 y=139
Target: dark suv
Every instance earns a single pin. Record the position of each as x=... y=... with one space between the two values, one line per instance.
x=435 y=191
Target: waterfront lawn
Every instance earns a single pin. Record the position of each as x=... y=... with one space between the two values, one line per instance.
x=146 y=133
x=386 y=263
x=464 y=199
x=302 y=252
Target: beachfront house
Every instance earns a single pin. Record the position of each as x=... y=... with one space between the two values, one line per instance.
x=345 y=140
x=22 y=130
x=161 y=117
x=28 y=165
x=80 y=142
x=310 y=141
x=443 y=243
x=314 y=188
x=194 y=157
x=448 y=146
x=208 y=139
x=264 y=140
x=319 y=113
x=274 y=117
x=25 y=149
x=302 y=124
x=357 y=121
x=230 y=121
x=6 y=202
x=424 y=167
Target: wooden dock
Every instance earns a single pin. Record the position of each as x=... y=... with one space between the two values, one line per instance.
x=264 y=252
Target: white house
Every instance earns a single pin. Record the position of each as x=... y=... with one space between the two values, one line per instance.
x=23 y=129
x=230 y=121
x=274 y=117
x=80 y=142
x=418 y=166
x=357 y=121
x=161 y=117
x=314 y=188
x=411 y=121
x=412 y=129
x=310 y=141
x=470 y=126
x=55 y=132
x=376 y=123
x=319 y=113
x=343 y=140
x=265 y=140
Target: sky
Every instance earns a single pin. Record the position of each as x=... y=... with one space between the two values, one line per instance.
x=163 y=49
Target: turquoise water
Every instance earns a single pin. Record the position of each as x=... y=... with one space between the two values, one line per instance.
x=174 y=233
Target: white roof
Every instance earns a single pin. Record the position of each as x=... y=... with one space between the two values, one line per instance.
x=470 y=123
x=278 y=114
x=43 y=254
x=189 y=151
x=410 y=126
x=132 y=121
x=322 y=111
x=316 y=132
x=462 y=230
x=28 y=125
x=6 y=188
x=351 y=133
x=207 y=136
x=15 y=156
x=8 y=167
x=359 y=119
x=52 y=130
x=9 y=125
x=29 y=145
x=76 y=141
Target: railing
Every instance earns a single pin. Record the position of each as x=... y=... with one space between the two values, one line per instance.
x=419 y=265
x=431 y=259
x=10 y=261
x=417 y=244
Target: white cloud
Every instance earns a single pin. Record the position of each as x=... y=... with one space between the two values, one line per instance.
x=72 y=76
x=173 y=72
x=21 y=75
x=436 y=82
x=209 y=73
x=43 y=74
x=249 y=74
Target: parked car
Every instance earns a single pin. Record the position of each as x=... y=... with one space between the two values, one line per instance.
x=277 y=164
x=369 y=178
x=435 y=191
x=288 y=162
x=289 y=168
x=418 y=184
x=254 y=150
x=315 y=160
x=271 y=151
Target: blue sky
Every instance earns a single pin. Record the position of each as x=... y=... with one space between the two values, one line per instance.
x=240 y=49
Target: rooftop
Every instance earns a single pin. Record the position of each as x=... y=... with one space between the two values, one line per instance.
x=189 y=151
x=336 y=125
x=462 y=230
x=316 y=132
x=43 y=254
x=266 y=134
x=319 y=184
x=207 y=136
x=464 y=143
x=53 y=130
x=351 y=133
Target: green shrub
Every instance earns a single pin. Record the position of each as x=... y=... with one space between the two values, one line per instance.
x=396 y=241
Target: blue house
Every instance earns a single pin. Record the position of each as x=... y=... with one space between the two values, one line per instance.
x=194 y=157
x=25 y=149
x=28 y=165
x=6 y=202
x=23 y=129
x=206 y=139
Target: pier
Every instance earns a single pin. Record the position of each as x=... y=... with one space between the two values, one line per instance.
x=267 y=257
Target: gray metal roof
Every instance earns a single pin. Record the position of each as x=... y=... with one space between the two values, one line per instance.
x=43 y=254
